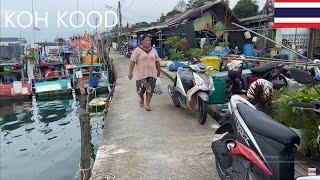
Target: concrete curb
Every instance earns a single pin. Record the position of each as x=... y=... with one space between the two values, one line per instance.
x=167 y=74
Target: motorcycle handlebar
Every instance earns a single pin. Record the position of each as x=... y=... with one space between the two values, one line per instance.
x=313 y=106
x=303 y=104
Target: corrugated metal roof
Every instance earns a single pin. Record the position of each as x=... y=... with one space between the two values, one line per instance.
x=252 y=19
x=12 y=39
x=47 y=44
x=220 y=10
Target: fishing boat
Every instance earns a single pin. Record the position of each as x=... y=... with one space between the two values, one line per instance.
x=100 y=76
x=14 y=82
x=51 y=78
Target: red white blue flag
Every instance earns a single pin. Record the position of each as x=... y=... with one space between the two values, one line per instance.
x=297 y=13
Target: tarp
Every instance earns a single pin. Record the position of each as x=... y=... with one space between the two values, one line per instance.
x=219 y=29
x=204 y=22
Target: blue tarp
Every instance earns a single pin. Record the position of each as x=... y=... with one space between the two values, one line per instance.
x=223 y=53
x=175 y=65
x=133 y=42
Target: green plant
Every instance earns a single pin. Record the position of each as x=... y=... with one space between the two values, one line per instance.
x=207 y=48
x=195 y=52
x=175 y=55
x=286 y=113
x=175 y=43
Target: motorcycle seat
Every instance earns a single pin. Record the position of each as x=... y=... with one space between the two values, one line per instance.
x=301 y=76
x=260 y=71
x=264 y=125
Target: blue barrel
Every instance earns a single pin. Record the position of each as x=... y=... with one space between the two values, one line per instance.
x=94 y=82
x=158 y=49
x=248 y=50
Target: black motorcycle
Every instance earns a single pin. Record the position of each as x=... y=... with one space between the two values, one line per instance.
x=255 y=146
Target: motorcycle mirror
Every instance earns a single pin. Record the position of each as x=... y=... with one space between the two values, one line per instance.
x=316 y=61
x=209 y=68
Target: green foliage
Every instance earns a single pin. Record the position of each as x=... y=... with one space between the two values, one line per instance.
x=175 y=55
x=175 y=43
x=208 y=48
x=246 y=8
x=195 y=3
x=195 y=52
x=286 y=113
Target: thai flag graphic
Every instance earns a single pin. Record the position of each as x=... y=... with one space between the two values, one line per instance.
x=297 y=14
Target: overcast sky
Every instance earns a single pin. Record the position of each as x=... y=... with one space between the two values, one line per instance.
x=133 y=11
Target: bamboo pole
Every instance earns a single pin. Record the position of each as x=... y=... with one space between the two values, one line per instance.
x=289 y=49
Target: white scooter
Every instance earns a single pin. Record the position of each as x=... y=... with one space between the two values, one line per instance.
x=191 y=89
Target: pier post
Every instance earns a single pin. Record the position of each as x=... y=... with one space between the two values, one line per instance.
x=85 y=145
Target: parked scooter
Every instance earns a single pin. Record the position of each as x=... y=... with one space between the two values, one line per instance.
x=242 y=74
x=191 y=89
x=255 y=146
x=307 y=78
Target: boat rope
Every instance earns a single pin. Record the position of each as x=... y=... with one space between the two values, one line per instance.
x=81 y=171
x=93 y=90
x=106 y=176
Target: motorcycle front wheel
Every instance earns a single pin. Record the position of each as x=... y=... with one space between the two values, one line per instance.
x=202 y=111
x=223 y=173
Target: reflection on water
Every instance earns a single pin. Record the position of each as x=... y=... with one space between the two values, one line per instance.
x=41 y=139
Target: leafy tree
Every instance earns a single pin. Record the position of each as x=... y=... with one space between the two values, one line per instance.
x=246 y=8
x=169 y=15
x=172 y=13
x=180 y=6
x=268 y=7
x=195 y=3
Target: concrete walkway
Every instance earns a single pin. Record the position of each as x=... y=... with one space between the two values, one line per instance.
x=166 y=143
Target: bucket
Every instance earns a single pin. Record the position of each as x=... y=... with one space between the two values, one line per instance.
x=47 y=72
x=87 y=59
x=94 y=82
x=17 y=87
x=247 y=35
x=248 y=50
x=213 y=61
x=219 y=94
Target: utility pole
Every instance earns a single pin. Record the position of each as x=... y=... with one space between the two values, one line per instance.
x=120 y=17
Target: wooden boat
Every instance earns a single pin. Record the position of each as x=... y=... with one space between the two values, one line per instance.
x=14 y=82
x=100 y=75
x=51 y=78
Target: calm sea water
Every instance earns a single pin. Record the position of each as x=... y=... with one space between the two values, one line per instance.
x=40 y=140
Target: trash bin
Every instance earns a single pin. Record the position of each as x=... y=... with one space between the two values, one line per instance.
x=219 y=94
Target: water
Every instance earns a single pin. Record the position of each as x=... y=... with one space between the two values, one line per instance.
x=42 y=139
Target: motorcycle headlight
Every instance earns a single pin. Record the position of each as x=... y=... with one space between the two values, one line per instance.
x=201 y=83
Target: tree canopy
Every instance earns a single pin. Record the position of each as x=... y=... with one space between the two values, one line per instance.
x=246 y=8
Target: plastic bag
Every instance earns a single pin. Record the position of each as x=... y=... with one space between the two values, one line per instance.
x=158 y=87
